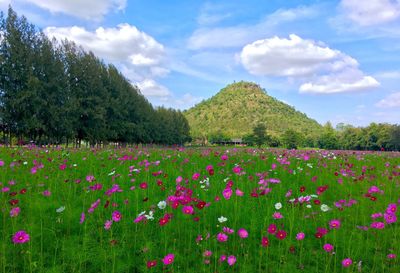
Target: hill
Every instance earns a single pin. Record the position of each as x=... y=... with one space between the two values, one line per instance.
x=237 y=108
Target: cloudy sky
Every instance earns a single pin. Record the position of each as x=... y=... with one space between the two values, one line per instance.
x=333 y=60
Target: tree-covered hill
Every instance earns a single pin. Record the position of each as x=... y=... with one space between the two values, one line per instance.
x=238 y=107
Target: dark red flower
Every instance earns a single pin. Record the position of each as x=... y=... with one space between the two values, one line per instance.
x=22 y=191
x=151 y=264
x=13 y=202
x=302 y=189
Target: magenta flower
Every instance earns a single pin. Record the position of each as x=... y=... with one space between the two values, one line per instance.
x=90 y=178
x=227 y=193
x=231 y=260
x=207 y=253
x=195 y=176
x=20 y=237
x=390 y=218
x=1 y=163
x=222 y=258
x=281 y=234
x=243 y=233
x=391 y=256
x=264 y=241
x=46 y=193
x=392 y=208
x=239 y=192
x=224 y=157
x=378 y=225
x=15 y=211
x=271 y=229
x=328 y=247
x=188 y=210
x=300 y=236
x=222 y=237
x=116 y=216
x=347 y=262
x=334 y=224
x=168 y=259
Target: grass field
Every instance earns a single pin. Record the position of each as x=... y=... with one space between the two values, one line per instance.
x=198 y=210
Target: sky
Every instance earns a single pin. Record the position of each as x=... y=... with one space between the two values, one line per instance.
x=336 y=61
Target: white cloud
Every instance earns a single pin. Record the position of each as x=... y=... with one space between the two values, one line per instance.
x=371 y=12
x=150 y=88
x=137 y=54
x=391 y=101
x=233 y=36
x=320 y=68
x=394 y=74
x=211 y=14
x=85 y=9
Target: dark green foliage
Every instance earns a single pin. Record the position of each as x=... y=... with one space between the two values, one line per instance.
x=292 y=139
x=53 y=92
x=260 y=134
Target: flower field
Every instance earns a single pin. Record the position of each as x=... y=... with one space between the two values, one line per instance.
x=198 y=210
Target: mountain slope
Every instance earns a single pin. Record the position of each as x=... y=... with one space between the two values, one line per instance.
x=238 y=107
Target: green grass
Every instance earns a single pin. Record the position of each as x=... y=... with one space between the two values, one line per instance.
x=59 y=243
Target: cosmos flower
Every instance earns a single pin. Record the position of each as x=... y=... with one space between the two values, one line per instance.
x=231 y=260
x=107 y=224
x=243 y=233
x=278 y=206
x=334 y=224
x=15 y=211
x=116 y=216
x=281 y=234
x=300 y=236
x=264 y=241
x=347 y=262
x=272 y=229
x=188 y=210
x=222 y=219
x=328 y=247
x=162 y=204
x=20 y=237
x=168 y=259
x=222 y=237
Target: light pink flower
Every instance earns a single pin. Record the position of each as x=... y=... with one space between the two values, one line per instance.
x=222 y=237
x=231 y=260
x=347 y=262
x=300 y=236
x=243 y=233
x=168 y=259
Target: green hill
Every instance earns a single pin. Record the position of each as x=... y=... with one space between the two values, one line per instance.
x=238 y=107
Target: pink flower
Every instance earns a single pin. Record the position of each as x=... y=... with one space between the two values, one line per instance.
x=222 y=237
x=179 y=179
x=20 y=237
x=392 y=208
x=224 y=157
x=222 y=258
x=237 y=169
x=390 y=218
x=1 y=163
x=82 y=218
x=300 y=236
x=15 y=211
x=107 y=224
x=378 y=225
x=207 y=253
x=271 y=229
x=243 y=233
x=116 y=216
x=376 y=215
x=347 y=262
x=277 y=215
x=228 y=230
x=239 y=192
x=90 y=178
x=168 y=259
x=391 y=256
x=231 y=260
x=227 y=193
x=46 y=193
x=188 y=210
x=334 y=224
x=195 y=176
x=328 y=247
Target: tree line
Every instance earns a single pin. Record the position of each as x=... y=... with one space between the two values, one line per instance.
x=376 y=136
x=54 y=92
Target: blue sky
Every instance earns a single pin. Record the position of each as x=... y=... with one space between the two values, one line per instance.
x=336 y=61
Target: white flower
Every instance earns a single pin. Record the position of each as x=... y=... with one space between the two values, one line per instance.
x=325 y=208
x=278 y=206
x=111 y=173
x=143 y=212
x=162 y=204
x=150 y=215
x=314 y=196
x=60 y=209
x=222 y=219
x=308 y=206
x=309 y=165
x=25 y=163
